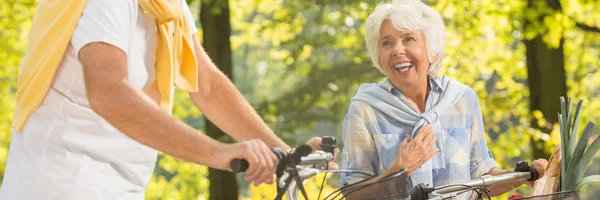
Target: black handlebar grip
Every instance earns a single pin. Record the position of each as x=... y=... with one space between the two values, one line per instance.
x=534 y=175
x=239 y=165
x=523 y=166
x=328 y=143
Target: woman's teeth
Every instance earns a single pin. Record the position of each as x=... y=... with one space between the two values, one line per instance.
x=402 y=67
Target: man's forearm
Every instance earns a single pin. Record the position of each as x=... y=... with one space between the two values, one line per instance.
x=135 y=114
x=224 y=105
x=229 y=110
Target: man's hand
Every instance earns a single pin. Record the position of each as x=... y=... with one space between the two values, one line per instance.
x=315 y=144
x=262 y=161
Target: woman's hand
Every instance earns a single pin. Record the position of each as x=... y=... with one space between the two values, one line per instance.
x=539 y=166
x=414 y=153
x=315 y=144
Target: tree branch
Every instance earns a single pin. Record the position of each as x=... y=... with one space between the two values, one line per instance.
x=587 y=28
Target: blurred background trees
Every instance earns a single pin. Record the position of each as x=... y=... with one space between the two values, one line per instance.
x=300 y=62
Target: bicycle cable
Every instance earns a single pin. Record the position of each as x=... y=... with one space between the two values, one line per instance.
x=323 y=182
x=475 y=189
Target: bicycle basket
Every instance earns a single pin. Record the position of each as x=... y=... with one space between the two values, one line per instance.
x=395 y=186
x=570 y=195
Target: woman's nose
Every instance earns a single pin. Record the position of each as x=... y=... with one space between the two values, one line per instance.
x=399 y=50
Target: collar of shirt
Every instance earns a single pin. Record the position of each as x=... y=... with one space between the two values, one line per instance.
x=436 y=89
x=387 y=85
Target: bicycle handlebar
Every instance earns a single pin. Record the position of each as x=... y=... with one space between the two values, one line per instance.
x=484 y=181
x=239 y=165
x=523 y=173
x=315 y=158
x=291 y=164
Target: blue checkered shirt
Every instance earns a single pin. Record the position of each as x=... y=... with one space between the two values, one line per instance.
x=371 y=139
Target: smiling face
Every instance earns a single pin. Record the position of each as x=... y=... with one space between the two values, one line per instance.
x=403 y=57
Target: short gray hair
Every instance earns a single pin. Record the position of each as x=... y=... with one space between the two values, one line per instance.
x=409 y=15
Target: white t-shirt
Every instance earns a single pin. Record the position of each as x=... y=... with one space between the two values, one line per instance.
x=66 y=151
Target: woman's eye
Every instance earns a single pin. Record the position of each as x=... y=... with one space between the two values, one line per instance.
x=409 y=39
x=386 y=43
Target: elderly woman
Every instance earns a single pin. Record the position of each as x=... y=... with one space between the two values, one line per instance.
x=430 y=125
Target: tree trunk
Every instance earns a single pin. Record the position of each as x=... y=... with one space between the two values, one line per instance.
x=214 y=17
x=547 y=80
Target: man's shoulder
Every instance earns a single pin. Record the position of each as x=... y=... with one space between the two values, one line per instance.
x=111 y=12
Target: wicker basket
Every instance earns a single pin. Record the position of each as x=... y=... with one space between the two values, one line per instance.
x=395 y=186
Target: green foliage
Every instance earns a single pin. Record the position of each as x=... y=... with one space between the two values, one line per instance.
x=15 y=20
x=176 y=179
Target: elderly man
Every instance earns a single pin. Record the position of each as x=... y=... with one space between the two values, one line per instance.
x=95 y=96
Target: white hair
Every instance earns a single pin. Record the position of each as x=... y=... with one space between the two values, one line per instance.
x=409 y=15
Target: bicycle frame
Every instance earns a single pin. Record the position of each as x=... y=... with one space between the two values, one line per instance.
x=317 y=159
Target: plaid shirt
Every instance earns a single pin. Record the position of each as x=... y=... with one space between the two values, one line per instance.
x=371 y=139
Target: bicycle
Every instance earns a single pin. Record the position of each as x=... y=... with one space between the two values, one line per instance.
x=396 y=186
x=303 y=164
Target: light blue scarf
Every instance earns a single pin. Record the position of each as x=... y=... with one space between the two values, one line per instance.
x=384 y=101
